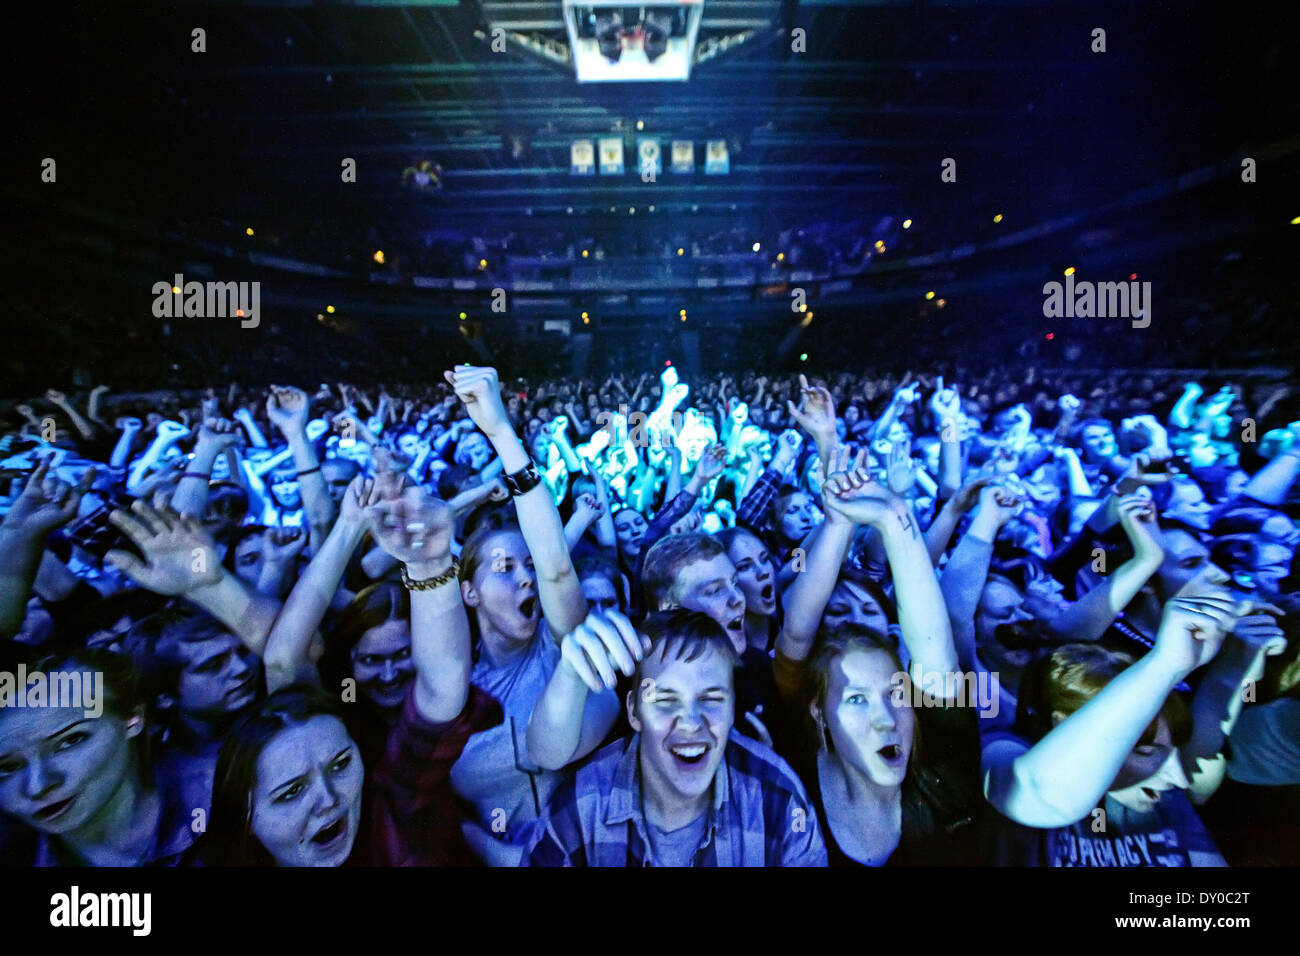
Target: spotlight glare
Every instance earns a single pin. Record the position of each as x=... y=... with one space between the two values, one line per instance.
x=329 y=309
x=681 y=251
x=1296 y=221
x=929 y=295
x=176 y=290
x=463 y=316
x=379 y=256
x=757 y=246
x=248 y=231
x=803 y=356
x=1070 y=271
x=907 y=224
x=998 y=217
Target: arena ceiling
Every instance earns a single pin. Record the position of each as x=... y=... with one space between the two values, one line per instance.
x=856 y=124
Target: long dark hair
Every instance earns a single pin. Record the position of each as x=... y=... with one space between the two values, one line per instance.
x=229 y=840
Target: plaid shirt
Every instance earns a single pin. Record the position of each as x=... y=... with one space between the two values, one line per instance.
x=760 y=815
x=752 y=512
x=414 y=818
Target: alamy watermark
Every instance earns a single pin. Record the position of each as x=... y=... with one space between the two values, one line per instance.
x=209 y=300
x=78 y=689
x=1100 y=300
x=922 y=688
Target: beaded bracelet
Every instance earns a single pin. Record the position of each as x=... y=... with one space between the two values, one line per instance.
x=428 y=584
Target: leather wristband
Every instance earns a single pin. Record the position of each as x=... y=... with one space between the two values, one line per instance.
x=522 y=481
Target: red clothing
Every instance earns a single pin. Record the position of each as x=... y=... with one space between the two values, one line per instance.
x=414 y=818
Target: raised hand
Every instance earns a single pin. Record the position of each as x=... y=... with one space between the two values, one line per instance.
x=787 y=449
x=899 y=468
x=998 y=504
x=46 y=502
x=1068 y=404
x=218 y=434
x=480 y=391
x=1137 y=515
x=968 y=496
x=56 y=397
x=414 y=527
x=601 y=645
x=179 y=555
x=282 y=545
x=1195 y=621
x=287 y=407
x=945 y=403
x=816 y=410
x=588 y=509
x=709 y=466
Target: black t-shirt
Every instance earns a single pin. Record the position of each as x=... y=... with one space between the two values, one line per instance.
x=943 y=807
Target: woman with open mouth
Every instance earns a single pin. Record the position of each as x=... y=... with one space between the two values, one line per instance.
x=879 y=797
x=524 y=596
x=292 y=785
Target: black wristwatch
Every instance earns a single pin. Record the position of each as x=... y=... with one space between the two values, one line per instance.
x=522 y=481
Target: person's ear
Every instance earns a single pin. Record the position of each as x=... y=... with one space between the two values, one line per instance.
x=633 y=720
x=469 y=595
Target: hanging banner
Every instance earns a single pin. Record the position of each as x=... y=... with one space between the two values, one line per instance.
x=717 y=161
x=683 y=156
x=582 y=158
x=649 y=162
x=611 y=156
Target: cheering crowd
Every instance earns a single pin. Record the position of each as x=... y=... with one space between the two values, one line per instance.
x=1003 y=618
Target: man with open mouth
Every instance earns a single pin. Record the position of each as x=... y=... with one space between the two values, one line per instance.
x=684 y=789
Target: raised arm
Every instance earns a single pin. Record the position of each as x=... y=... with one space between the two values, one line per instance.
x=1064 y=775
x=579 y=704
x=557 y=583
x=289 y=642
x=180 y=558
x=416 y=529
x=805 y=599
x=1089 y=617
x=922 y=616
x=191 y=495
x=287 y=408
x=46 y=503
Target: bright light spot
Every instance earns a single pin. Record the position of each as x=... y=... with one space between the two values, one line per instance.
x=757 y=246
x=248 y=231
x=907 y=224
x=803 y=356
x=1296 y=221
x=482 y=263
x=329 y=309
x=780 y=257
x=1070 y=271
x=880 y=245
x=998 y=217
x=941 y=303
x=585 y=253
x=652 y=208
x=640 y=125
x=803 y=308
x=1132 y=277
x=176 y=290
x=585 y=320
x=239 y=312
x=631 y=210
x=681 y=251
x=379 y=256
x=1049 y=336
x=929 y=295
x=666 y=364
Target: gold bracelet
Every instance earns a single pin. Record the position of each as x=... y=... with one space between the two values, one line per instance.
x=428 y=584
